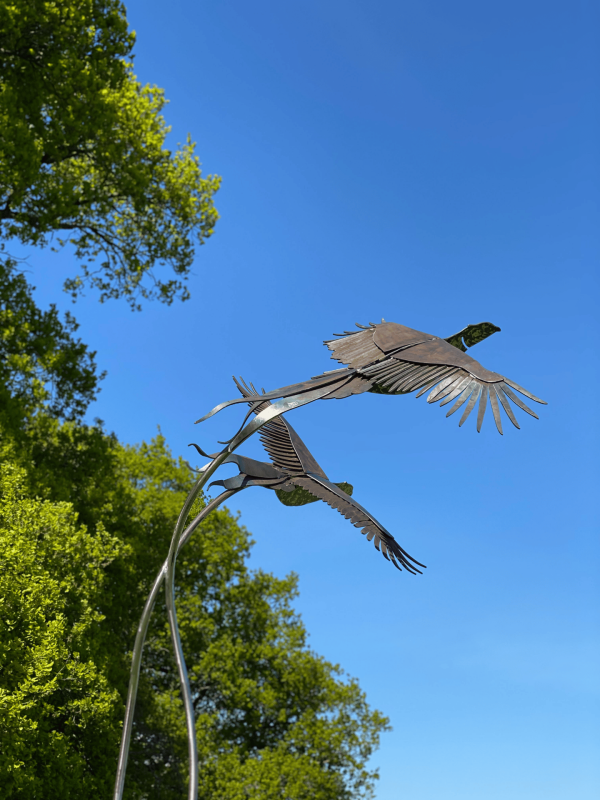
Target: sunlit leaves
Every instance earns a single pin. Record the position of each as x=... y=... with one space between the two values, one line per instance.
x=42 y=364
x=58 y=711
x=83 y=155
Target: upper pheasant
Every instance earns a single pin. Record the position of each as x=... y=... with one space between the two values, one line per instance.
x=388 y=358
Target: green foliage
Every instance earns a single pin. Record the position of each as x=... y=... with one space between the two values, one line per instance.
x=42 y=365
x=58 y=711
x=273 y=718
x=85 y=521
x=271 y=715
x=82 y=152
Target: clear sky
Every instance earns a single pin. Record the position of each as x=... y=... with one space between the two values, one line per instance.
x=435 y=164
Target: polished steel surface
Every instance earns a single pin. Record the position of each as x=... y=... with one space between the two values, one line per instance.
x=140 y=639
x=495 y=408
x=471 y=404
x=506 y=405
x=482 y=406
x=517 y=400
x=464 y=395
x=456 y=390
x=327 y=380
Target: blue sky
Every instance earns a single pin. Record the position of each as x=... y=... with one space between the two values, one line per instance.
x=435 y=164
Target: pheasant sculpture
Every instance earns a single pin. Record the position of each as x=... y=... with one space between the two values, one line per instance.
x=388 y=358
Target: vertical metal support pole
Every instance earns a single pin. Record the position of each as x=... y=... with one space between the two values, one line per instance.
x=269 y=413
x=141 y=638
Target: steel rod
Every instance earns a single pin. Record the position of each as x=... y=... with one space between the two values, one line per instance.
x=140 y=639
x=167 y=572
x=271 y=412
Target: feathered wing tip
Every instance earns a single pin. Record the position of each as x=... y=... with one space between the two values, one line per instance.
x=360 y=518
x=446 y=383
x=465 y=389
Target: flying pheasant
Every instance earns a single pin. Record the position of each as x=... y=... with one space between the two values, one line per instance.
x=388 y=358
x=297 y=480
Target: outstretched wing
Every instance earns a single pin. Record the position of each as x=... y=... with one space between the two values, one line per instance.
x=446 y=383
x=360 y=518
x=399 y=360
x=285 y=448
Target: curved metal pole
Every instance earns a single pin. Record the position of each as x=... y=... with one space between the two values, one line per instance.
x=265 y=416
x=184 y=681
x=167 y=571
x=141 y=638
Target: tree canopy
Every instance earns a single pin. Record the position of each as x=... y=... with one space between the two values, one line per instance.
x=85 y=523
x=42 y=364
x=56 y=702
x=83 y=155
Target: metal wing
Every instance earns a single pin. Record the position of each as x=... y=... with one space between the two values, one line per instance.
x=360 y=518
x=285 y=448
x=359 y=348
x=446 y=383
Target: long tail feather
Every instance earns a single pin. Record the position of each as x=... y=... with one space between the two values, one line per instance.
x=337 y=376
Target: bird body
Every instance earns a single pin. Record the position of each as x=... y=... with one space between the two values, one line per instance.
x=389 y=358
x=390 y=338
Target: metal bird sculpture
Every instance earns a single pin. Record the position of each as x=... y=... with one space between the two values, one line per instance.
x=388 y=358
x=297 y=479
x=385 y=358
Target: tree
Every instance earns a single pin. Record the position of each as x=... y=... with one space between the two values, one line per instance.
x=83 y=155
x=42 y=365
x=85 y=523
